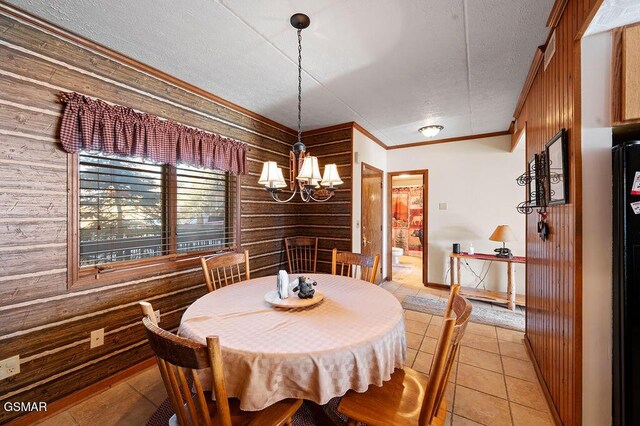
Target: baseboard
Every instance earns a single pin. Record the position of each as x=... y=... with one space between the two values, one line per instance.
x=439 y=286
x=63 y=403
x=543 y=384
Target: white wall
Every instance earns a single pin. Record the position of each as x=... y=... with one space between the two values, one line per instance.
x=374 y=155
x=597 y=233
x=477 y=180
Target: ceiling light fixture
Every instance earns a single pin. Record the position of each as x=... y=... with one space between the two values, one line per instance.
x=430 y=131
x=307 y=181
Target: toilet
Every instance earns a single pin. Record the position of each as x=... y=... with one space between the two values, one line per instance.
x=396 y=252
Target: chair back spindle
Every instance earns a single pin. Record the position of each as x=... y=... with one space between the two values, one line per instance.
x=453 y=329
x=355 y=265
x=179 y=359
x=302 y=254
x=225 y=269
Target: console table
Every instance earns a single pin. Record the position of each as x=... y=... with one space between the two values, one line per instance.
x=493 y=296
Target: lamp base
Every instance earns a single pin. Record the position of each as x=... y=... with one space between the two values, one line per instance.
x=503 y=252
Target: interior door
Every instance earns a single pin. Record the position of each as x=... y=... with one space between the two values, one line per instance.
x=371 y=213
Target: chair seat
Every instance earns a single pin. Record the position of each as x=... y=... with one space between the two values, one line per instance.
x=396 y=402
x=273 y=415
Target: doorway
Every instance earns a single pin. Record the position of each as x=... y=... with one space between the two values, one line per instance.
x=407 y=251
x=371 y=213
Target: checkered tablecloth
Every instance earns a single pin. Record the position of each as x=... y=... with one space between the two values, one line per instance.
x=354 y=338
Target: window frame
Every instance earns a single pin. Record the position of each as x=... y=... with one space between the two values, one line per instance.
x=129 y=270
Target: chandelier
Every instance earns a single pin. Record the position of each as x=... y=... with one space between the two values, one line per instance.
x=304 y=170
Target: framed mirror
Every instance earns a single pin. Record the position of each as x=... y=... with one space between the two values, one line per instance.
x=557 y=179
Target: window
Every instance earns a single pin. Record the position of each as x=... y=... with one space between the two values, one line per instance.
x=134 y=214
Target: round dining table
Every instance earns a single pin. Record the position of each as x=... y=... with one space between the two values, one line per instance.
x=353 y=338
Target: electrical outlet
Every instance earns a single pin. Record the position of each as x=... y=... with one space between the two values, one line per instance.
x=442 y=206
x=157 y=315
x=97 y=338
x=9 y=367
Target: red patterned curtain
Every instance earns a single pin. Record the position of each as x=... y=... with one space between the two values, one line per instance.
x=94 y=125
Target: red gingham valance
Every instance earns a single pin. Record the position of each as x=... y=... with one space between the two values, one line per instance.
x=94 y=125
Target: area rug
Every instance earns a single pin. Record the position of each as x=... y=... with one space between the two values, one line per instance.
x=303 y=416
x=482 y=312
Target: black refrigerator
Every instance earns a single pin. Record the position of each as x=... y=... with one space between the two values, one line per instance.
x=626 y=282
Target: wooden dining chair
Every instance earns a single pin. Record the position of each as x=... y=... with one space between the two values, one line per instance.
x=355 y=265
x=224 y=269
x=179 y=359
x=410 y=397
x=302 y=254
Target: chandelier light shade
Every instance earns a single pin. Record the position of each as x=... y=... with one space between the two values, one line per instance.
x=308 y=181
x=310 y=170
x=271 y=175
x=331 y=176
x=430 y=131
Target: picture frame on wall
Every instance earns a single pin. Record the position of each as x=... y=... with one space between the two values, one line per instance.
x=557 y=169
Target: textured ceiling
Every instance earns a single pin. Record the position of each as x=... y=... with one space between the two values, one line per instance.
x=392 y=66
x=613 y=14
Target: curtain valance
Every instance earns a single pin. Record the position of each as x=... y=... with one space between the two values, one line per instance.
x=94 y=125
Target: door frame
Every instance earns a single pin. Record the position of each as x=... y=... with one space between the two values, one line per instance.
x=381 y=173
x=425 y=221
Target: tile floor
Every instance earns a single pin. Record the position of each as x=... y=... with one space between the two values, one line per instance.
x=409 y=271
x=493 y=382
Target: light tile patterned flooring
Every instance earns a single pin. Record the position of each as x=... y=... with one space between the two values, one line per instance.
x=409 y=270
x=493 y=382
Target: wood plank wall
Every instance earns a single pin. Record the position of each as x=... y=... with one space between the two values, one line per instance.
x=43 y=322
x=554 y=280
x=331 y=220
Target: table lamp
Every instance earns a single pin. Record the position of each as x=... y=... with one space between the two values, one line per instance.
x=503 y=234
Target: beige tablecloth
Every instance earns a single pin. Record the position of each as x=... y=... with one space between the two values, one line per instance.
x=354 y=338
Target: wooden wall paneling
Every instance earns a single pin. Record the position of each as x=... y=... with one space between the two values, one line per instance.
x=332 y=223
x=550 y=101
x=40 y=319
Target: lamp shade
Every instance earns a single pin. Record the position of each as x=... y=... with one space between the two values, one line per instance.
x=309 y=170
x=279 y=182
x=269 y=173
x=331 y=176
x=503 y=233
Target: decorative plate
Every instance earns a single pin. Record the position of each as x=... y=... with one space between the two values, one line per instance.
x=292 y=301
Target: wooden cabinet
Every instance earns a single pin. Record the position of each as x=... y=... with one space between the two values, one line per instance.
x=626 y=75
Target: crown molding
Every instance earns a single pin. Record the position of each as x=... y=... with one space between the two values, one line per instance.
x=456 y=139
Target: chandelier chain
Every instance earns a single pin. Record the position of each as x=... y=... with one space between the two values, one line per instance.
x=299 y=85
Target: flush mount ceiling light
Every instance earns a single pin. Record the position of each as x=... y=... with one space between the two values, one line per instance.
x=304 y=170
x=430 y=131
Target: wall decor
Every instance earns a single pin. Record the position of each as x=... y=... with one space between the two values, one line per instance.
x=557 y=171
x=407 y=219
x=533 y=179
